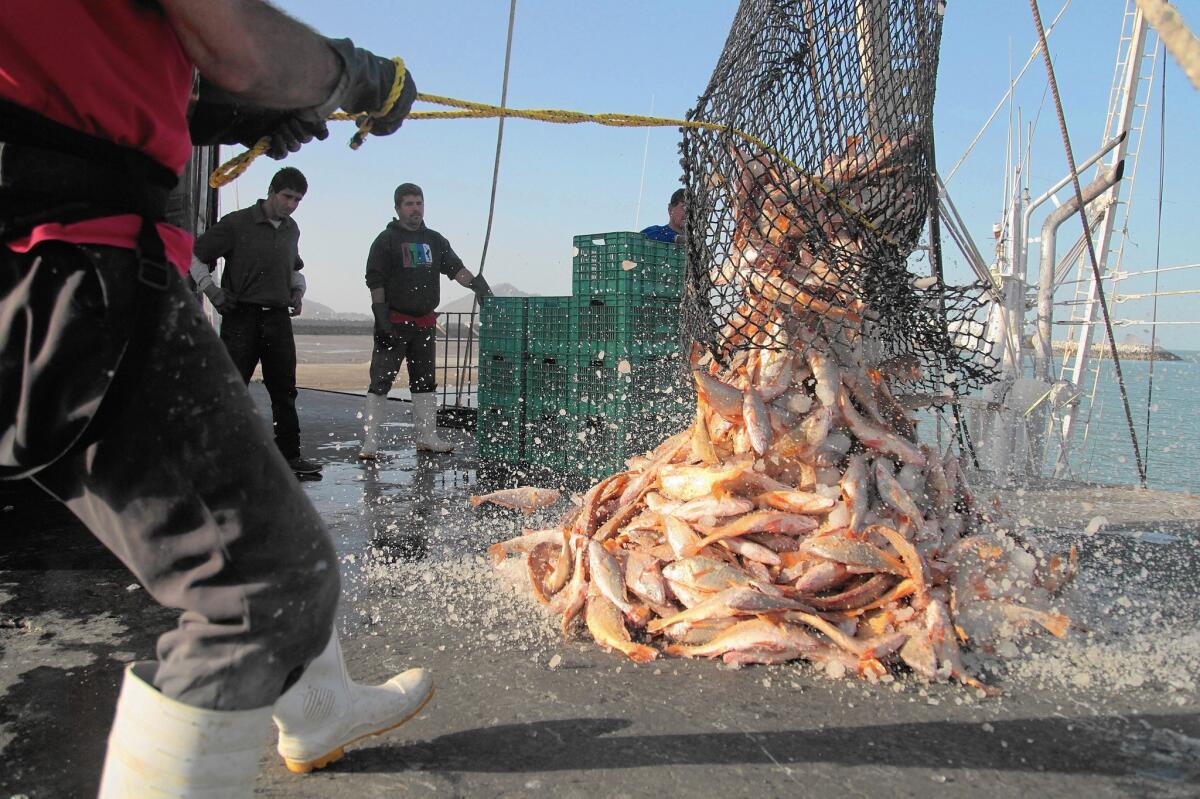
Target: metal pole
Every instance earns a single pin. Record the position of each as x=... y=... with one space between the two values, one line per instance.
x=1083 y=346
x=1043 y=354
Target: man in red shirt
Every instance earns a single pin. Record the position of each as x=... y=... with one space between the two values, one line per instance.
x=109 y=373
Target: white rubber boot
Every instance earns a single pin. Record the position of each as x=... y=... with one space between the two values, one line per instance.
x=425 y=421
x=375 y=416
x=325 y=711
x=162 y=748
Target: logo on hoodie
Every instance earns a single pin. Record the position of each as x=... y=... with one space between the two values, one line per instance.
x=417 y=255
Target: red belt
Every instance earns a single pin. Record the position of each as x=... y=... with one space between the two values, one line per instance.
x=428 y=320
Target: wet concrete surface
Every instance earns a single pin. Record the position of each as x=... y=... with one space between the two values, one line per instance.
x=519 y=711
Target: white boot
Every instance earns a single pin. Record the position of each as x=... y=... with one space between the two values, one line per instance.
x=376 y=415
x=325 y=711
x=162 y=748
x=425 y=421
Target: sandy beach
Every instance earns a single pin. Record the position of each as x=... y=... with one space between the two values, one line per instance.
x=343 y=363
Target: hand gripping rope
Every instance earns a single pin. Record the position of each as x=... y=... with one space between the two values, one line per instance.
x=233 y=168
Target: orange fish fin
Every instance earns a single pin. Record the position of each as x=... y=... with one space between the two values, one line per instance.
x=640 y=653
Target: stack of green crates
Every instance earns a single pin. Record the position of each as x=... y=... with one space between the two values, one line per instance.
x=599 y=372
x=627 y=386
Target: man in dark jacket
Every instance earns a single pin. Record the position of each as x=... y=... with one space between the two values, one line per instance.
x=261 y=288
x=402 y=274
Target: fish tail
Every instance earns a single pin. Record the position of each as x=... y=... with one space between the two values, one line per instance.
x=639 y=615
x=640 y=653
x=495 y=552
x=569 y=617
x=1055 y=623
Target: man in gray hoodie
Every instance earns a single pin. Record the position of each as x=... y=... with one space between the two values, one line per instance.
x=402 y=274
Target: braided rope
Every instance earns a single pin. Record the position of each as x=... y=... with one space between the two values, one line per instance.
x=234 y=167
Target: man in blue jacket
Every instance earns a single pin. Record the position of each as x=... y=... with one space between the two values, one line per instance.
x=676 y=216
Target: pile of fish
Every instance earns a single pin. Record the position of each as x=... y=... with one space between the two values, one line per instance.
x=798 y=516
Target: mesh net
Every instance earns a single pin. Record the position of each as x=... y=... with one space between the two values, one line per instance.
x=800 y=490
x=800 y=241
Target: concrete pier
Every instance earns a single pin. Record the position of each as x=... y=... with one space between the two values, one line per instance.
x=1112 y=711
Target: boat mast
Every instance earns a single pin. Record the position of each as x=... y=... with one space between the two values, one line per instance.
x=1006 y=317
x=1120 y=119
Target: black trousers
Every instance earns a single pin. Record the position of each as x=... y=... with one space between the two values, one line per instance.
x=411 y=343
x=255 y=334
x=183 y=484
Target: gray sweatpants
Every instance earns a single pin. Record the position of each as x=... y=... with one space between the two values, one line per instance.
x=185 y=486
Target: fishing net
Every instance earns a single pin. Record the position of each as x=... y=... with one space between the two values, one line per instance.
x=800 y=240
x=799 y=515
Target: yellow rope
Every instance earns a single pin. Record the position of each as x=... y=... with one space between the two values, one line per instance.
x=234 y=167
x=365 y=121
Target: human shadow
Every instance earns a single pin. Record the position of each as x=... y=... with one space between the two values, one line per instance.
x=397 y=507
x=1053 y=745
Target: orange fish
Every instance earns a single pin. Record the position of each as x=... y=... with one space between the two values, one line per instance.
x=525 y=498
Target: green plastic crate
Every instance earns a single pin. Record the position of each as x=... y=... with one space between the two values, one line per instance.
x=616 y=385
x=499 y=434
x=620 y=263
x=599 y=387
x=550 y=327
x=501 y=379
x=598 y=447
x=665 y=394
x=630 y=395
x=545 y=440
x=503 y=325
x=547 y=382
x=626 y=325
x=547 y=387
x=585 y=416
x=500 y=413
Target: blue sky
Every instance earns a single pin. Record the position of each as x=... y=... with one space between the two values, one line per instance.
x=557 y=181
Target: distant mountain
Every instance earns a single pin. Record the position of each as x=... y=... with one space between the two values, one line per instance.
x=463 y=304
x=316 y=312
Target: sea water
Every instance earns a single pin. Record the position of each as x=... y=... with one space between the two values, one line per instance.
x=1164 y=400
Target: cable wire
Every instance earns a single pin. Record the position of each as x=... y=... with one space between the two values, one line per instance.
x=487 y=236
x=1091 y=247
x=1162 y=153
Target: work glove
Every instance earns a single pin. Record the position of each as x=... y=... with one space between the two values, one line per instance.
x=290 y=133
x=299 y=286
x=481 y=288
x=219 y=299
x=219 y=117
x=385 y=332
x=363 y=87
